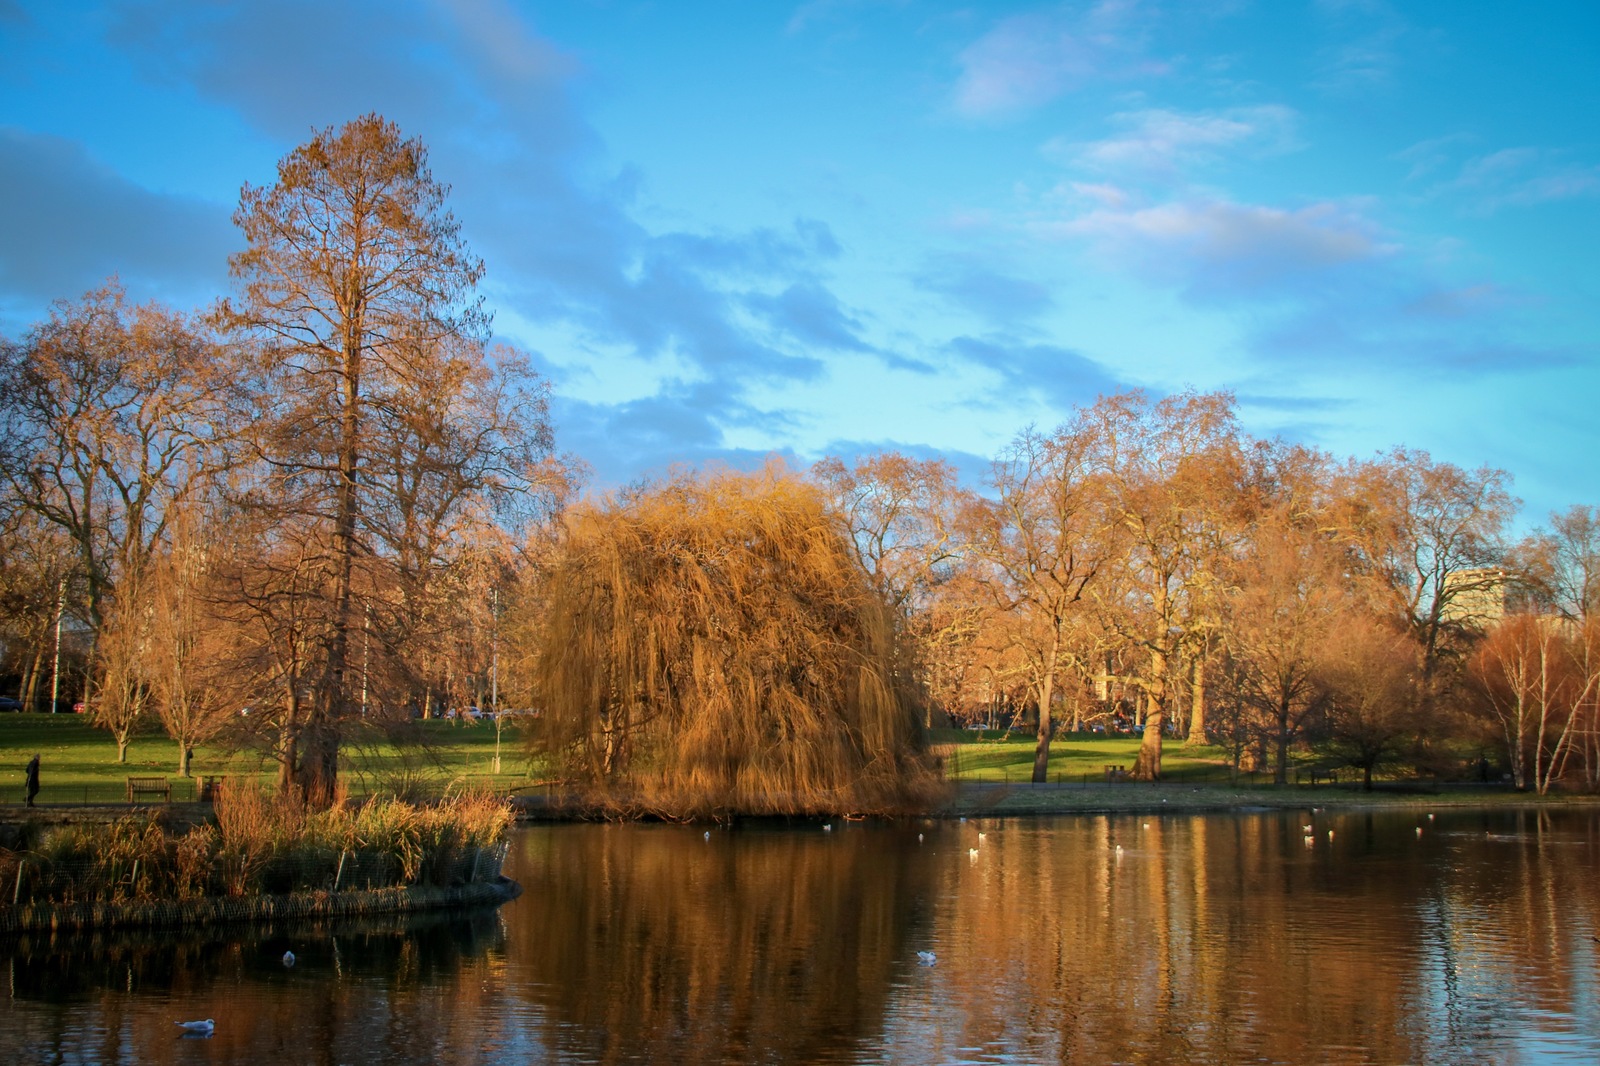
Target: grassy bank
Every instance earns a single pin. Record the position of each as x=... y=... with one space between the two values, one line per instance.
x=1076 y=758
x=80 y=767
x=78 y=763
x=1002 y=800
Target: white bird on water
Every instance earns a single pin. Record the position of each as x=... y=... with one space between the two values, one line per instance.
x=288 y=958
x=708 y=834
x=827 y=828
x=203 y=1028
x=926 y=958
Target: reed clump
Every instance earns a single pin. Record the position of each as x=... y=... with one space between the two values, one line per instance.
x=266 y=845
x=713 y=646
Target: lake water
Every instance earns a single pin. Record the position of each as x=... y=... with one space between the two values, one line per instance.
x=1399 y=938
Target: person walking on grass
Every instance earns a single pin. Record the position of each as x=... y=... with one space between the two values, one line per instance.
x=32 y=775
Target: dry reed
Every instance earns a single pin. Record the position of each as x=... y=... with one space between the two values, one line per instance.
x=265 y=845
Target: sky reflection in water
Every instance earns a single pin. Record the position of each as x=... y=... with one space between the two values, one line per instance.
x=1197 y=939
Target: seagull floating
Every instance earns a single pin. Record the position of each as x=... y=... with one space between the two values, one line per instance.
x=288 y=958
x=708 y=834
x=827 y=827
x=204 y=1028
x=919 y=838
x=982 y=837
x=1307 y=827
x=926 y=958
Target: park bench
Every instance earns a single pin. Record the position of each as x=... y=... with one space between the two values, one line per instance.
x=1116 y=772
x=149 y=786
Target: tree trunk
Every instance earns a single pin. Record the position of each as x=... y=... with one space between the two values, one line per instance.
x=30 y=693
x=1197 y=704
x=1041 y=751
x=122 y=749
x=1280 y=769
x=289 y=741
x=319 y=766
x=1148 y=765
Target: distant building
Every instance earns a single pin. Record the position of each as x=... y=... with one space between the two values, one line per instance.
x=1475 y=597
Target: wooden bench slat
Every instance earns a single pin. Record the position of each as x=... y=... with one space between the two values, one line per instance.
x=149 y=786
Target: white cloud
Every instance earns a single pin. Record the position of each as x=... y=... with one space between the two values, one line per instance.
x=1029 y=60
x=1161 y=142
x=1218 y=248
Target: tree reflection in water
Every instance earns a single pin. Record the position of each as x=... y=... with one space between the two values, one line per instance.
x=1204 y=939
x=657 y=945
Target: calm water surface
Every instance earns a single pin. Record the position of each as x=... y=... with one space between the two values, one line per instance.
x=1139 y=939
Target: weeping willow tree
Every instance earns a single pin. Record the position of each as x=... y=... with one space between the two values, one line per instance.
x=711 y=646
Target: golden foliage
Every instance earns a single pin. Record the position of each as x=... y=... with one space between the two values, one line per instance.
x=713 y=646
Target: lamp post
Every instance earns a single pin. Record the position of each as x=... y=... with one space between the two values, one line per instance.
x=494 y=670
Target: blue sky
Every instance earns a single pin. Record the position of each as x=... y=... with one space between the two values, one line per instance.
x=730 y=229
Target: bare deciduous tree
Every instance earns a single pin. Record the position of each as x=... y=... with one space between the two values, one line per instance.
x=378 y=429
x=1046 y=536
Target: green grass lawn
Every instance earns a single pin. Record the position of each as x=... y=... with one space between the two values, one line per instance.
x=78 y=763
x=1074 y=758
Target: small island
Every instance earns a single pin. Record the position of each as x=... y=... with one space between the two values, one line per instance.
x=260 y=859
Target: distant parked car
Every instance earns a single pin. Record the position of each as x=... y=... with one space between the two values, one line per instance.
x=9 y=704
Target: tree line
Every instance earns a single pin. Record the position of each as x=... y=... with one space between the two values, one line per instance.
x=1149 y=566
x=333 y=500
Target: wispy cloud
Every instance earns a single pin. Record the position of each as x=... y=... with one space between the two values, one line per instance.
x=1029 y=60
x=1487 y=182
x=1222 y=249
x=1164 y=143
x=1523 y=177
x=1365 y=46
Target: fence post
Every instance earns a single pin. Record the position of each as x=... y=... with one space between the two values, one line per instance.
x=16 y=893
x=339 y=874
